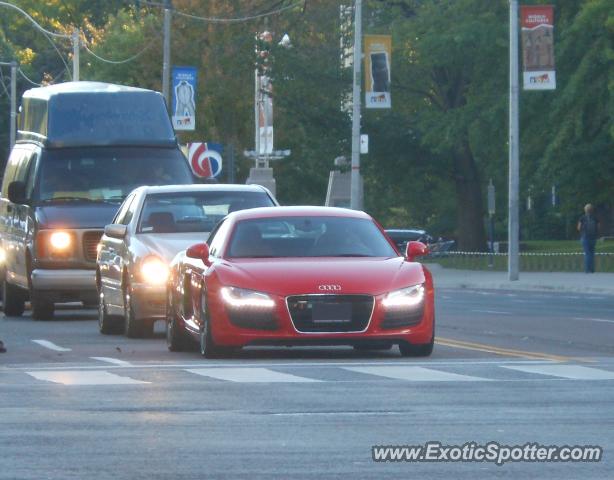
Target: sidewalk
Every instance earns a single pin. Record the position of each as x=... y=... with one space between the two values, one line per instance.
x=534 y=281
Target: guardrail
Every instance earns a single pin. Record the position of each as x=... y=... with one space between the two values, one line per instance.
x=529 y=261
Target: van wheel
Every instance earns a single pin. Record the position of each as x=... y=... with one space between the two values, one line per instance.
x=42 y=308
x=14 y=299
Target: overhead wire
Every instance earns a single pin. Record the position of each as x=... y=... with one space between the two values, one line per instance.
x=118 y=62
x=21 y=72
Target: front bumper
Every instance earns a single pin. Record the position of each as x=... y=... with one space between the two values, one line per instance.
x=64 y=280
x=284 y=332
x=148 y=301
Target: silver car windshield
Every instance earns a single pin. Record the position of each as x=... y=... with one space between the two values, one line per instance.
x=186 y=212
x=308 y=236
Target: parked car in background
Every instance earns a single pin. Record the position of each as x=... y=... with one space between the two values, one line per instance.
x=81 y=148
x=300 y=276
x=150 y=228
x=401 y=236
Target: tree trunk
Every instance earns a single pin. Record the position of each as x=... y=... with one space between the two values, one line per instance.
x=471 y=233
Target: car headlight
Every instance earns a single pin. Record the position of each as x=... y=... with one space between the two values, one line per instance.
x=154 y=270
x=239 y=297
x=60 y=241
x=405 y=298
x=2 y=256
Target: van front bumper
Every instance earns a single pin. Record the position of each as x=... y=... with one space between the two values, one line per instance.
x=64 y=280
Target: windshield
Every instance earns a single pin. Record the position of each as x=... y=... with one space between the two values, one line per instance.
x=100 y=174
x=308 y=237
x=194 y=211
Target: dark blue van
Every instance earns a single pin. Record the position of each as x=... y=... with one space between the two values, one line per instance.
x=81 y=148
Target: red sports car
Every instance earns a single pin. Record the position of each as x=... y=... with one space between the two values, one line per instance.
x=300 y=276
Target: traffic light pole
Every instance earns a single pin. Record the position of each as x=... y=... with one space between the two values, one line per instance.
x=514 y=168
x=166 y=54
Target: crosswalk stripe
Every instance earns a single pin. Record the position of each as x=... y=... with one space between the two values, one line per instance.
x=415 y=374
x=249 y=375
x=80 y=377
x=574 y=372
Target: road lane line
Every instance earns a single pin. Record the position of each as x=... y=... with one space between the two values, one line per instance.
x=481 y=347
x=573 y=372
x=494 y=312
x=250 y=375
x=73 y=377
x=52 y=346
x=600 y=320
x=114 y=361
x=415 y=374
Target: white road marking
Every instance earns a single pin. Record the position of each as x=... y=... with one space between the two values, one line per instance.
x=415 y=374
x=72 y=377
x=574 y=372
x=495 y=312
x=114 y=361
x=51 y=346
x=249 y=375
x=601 y=320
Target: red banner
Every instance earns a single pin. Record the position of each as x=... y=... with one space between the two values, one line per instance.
x=537 y=24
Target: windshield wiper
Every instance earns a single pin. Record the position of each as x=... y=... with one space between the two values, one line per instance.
x=352 y=255
x=68 y=199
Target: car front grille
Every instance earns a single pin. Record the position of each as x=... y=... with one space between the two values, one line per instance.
x=330 y=313
x=90 y=245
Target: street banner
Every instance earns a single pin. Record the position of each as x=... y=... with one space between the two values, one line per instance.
x=265 y=115
x=184 y=98
x=537 y=26
x=205 y=159
x=378 y=51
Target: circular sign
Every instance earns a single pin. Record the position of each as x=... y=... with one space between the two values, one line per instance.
x=205 y=163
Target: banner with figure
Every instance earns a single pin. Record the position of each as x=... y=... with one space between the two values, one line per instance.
x=265 y=115
x=537 y=24
x=378 y=51
x=184 y=98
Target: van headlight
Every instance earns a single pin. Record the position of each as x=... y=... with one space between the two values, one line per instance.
x=241 y=298
x=405 y=298
x=60 y=241
x=154 y=270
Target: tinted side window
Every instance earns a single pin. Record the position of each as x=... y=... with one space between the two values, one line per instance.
x=217 y=237
x=11 y=169
x=123 y=209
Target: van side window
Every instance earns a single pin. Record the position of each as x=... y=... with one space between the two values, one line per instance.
x=26 y=169
x=31 y=175
x=11 y=169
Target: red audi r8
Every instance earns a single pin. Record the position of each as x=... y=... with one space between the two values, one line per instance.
x=300 y=276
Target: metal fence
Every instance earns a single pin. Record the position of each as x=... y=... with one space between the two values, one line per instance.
x=529 y=261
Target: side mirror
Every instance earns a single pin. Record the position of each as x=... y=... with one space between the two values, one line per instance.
x=415 y=249
x=17 y=192
x=115 y=230
x=200 y=251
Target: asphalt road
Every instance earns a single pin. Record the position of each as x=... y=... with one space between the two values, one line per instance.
x=509 y=367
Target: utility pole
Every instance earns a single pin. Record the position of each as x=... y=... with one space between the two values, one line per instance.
x=75 y=55
x=13 y=102
x=166 y=60
x=355 y=186
x=514 y=167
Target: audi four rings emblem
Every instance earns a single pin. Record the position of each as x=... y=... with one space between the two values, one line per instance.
x=329 y=288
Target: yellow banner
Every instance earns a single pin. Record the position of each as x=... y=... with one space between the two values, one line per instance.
x=378 y=57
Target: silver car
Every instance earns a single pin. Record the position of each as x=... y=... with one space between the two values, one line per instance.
x=151 y=226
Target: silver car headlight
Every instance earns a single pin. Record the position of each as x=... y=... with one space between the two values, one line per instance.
x=241 y=298
x=154 y=270
x=405 y=298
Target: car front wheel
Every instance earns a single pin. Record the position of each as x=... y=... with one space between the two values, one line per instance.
x=176 y=337
x=42 y=307
x=14 y=299
x=416 y=350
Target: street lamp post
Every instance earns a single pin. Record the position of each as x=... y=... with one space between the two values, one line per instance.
x=514 y=168
x=356 y=201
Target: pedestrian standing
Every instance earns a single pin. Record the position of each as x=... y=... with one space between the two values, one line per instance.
x=588 y=226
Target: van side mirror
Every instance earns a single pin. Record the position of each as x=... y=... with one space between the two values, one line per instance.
x=116 y=230
x=17 y=192
x=200 y=251
x=415 y=249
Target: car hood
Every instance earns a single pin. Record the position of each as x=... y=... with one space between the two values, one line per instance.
x=279 y=276
x=167 y=245
x=75 y=215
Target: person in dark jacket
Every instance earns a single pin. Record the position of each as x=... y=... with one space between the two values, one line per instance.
x=2 y=349
x=588 y=226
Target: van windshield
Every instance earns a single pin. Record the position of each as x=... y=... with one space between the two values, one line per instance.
x=109 y=173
